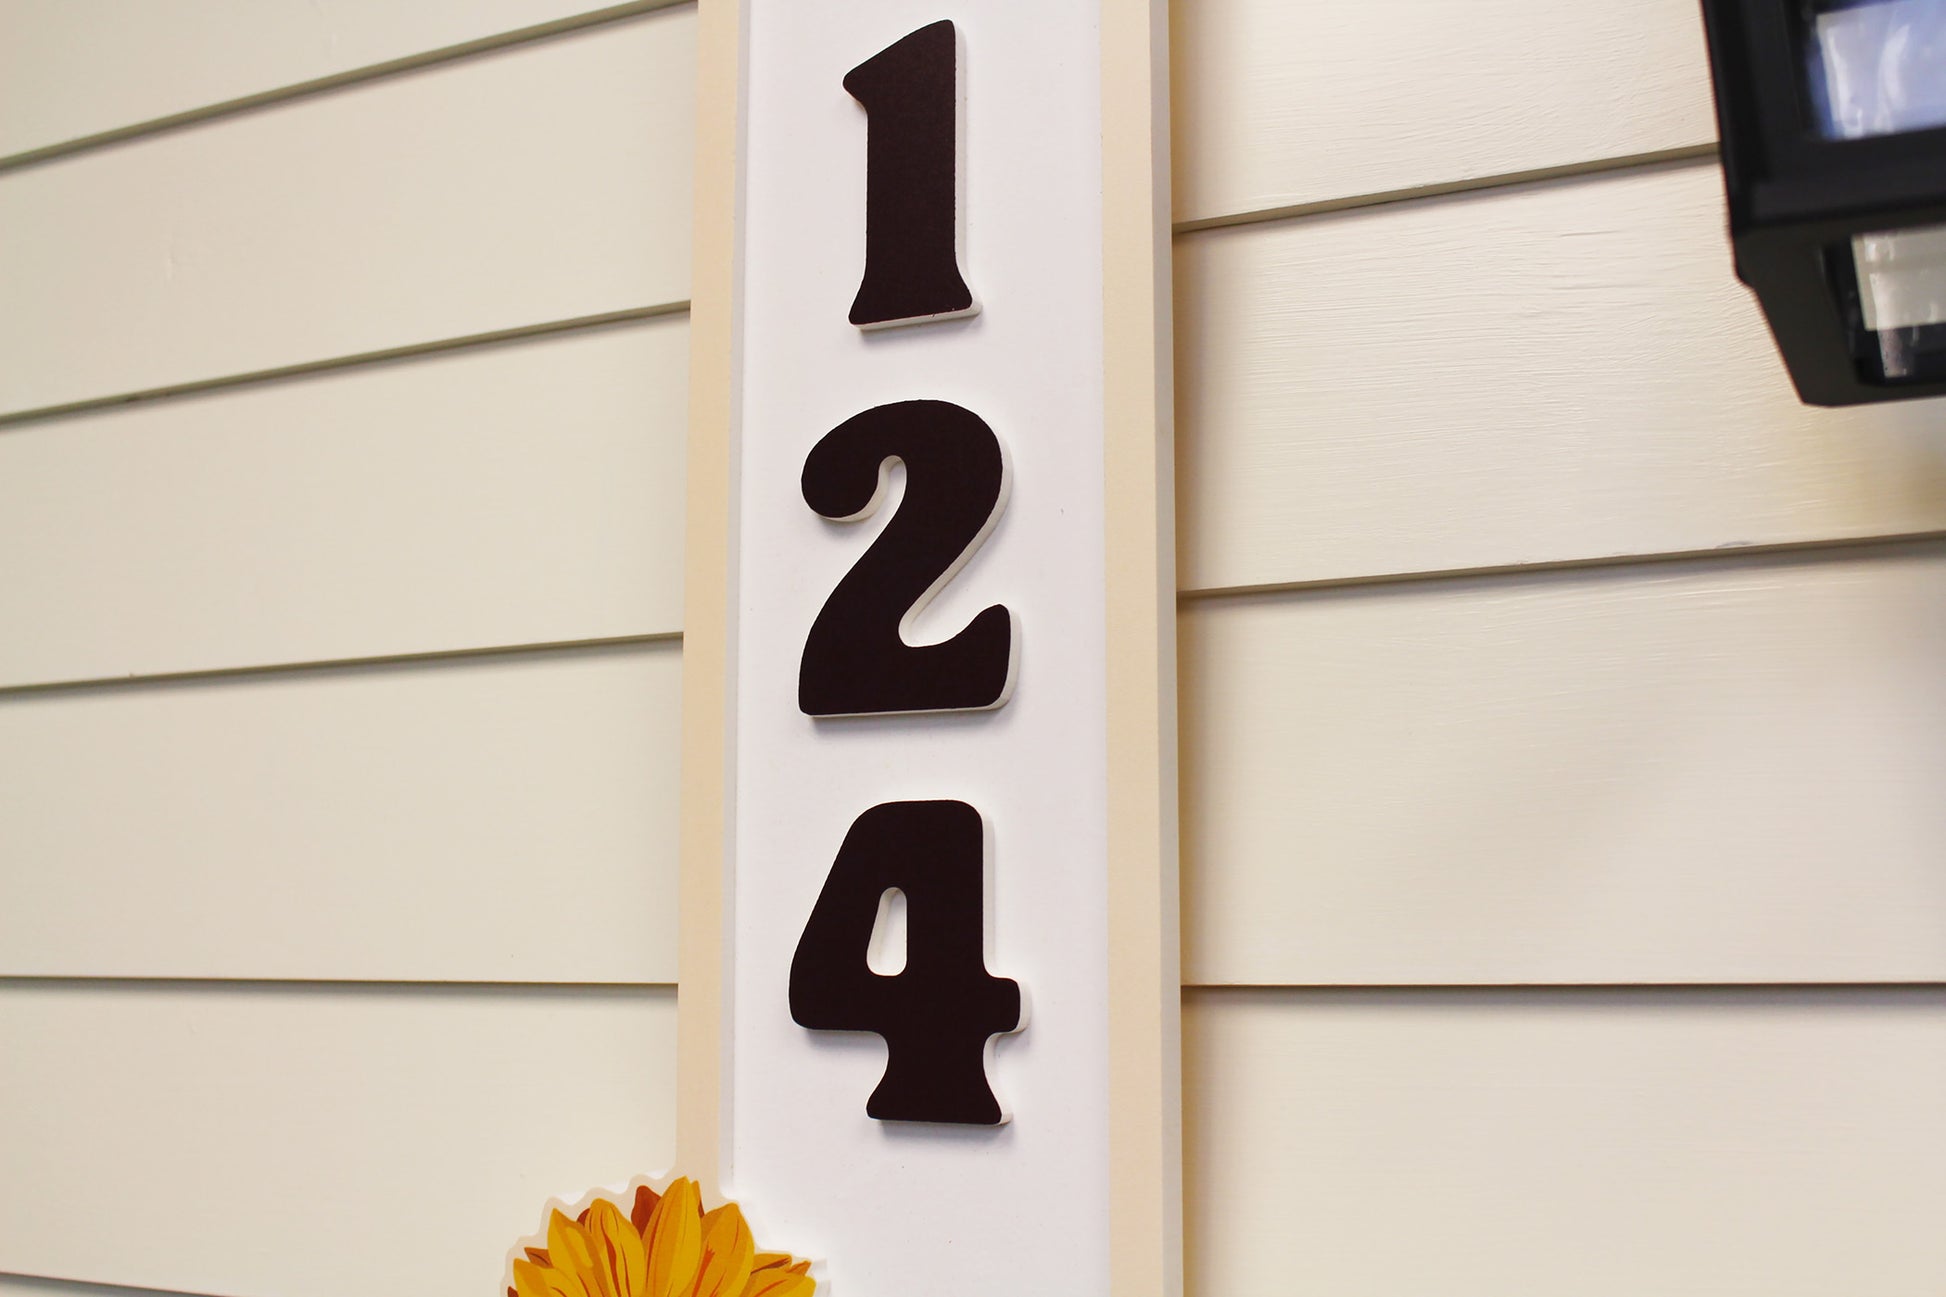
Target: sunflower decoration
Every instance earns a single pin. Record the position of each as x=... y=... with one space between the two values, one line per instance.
x=666 y=1246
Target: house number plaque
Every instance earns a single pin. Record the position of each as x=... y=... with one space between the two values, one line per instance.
x=920 y=1059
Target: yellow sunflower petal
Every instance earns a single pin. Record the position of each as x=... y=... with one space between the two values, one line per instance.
x=780 y=1283
x=765 y=1260
x=802 y=1267
x=619 y=1249
x=645 y=1201
x=567 y=1242
x=573 y=1253
x=531 y=1280
x=675 y=1241
x=728 y=1251
x=527 y=1280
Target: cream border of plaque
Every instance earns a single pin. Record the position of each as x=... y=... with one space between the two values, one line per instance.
x=1145 y=1109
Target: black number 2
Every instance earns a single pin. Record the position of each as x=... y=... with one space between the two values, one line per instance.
x=939 y=1012
x=910 y=90
x=856 y=660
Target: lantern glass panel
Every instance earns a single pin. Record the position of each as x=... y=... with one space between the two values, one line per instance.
x=1876 y=67
x=1899 y=277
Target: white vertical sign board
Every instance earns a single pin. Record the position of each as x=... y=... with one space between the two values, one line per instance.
x=898 y=1208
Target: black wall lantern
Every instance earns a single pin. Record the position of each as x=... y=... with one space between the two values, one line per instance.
x=1833 y=121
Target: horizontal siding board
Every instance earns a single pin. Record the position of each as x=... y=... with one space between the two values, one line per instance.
x=486 y=819
x=316 y=1141
x=1704 y=771
x=1527 y=1144
x=1560 y=372
x=75 y=68
x=548 y=181
x=1279 y=104
x=15 y=1285
x=515 y=494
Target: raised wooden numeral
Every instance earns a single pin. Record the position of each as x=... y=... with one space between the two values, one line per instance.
x=910 y=90
x=940 y=1009
x=939 y=1012
x=856 y=660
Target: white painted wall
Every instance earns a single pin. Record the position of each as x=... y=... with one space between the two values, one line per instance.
x=1492 y=690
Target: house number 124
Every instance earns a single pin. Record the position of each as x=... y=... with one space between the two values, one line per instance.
x=938 y=1013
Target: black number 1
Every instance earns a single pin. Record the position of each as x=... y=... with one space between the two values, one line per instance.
x=910 y=90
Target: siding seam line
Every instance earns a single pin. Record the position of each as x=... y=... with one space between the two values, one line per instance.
x=77 y=982
x=334 y=81
x=94 y=1285
x=1314 y=990
x=305 y=369
x=1659 y=159
x=1617 y=990
x=1915 y=545
x=321 y=665
x=1779 y=554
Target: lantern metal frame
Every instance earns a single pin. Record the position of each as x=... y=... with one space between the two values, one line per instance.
x=1796 y=198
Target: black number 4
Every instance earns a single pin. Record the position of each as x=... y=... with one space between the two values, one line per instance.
x=939 y=1012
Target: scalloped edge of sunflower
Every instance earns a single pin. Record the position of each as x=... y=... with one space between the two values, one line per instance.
x=650 y=1241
